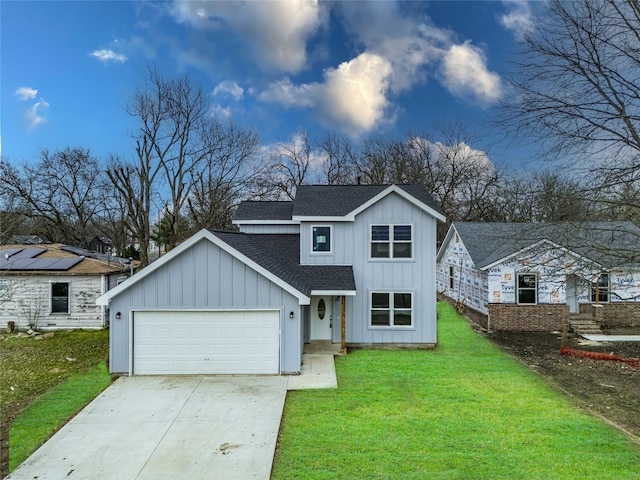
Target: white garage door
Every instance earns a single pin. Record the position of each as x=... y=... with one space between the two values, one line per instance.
x=221 y=342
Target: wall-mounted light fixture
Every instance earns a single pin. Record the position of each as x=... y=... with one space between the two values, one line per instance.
x=290 y=314
x=118 y=315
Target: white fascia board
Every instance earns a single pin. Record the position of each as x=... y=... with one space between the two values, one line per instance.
x=535 y=245
x=265 y=222
x=337 y=293
x=319 y=218
x=445 y=242
x=202 y=234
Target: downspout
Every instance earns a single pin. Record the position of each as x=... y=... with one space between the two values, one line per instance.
x=103 y=308
x=343 y=329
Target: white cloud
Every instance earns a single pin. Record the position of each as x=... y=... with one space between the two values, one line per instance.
x=286 y=93
x=107 y=55
x=26 y=93
x=464 y=73
x=219 y=111
x=276 y=30
x=397 y=45
x=356 y=92
x=519 y=17
x=229 y=88
x=33 y=115
x=409 y=43
x=353 y=96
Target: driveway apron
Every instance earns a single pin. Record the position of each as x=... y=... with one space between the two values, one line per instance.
x=154 y=428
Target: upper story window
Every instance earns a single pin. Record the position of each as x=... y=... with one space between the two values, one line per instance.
x=527 y=288
x=600 y=289
x=60 y=297
x=321 y=236
x=391 y=241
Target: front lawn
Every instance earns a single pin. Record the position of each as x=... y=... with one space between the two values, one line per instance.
x=463 y=411
x=29 y=368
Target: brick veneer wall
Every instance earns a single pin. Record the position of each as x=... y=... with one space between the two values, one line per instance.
x=508 y=316
x=504 y=316
x=615 y=314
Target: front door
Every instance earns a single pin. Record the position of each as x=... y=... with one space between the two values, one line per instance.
x=321 y=318
x=573 y=284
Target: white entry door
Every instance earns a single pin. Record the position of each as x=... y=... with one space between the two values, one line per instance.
x=321 y=318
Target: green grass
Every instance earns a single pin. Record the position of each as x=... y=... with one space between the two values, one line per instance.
x=29 y=368
x=52 y=410
x=463 y=411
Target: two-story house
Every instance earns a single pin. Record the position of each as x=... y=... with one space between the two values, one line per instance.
x=350 y=264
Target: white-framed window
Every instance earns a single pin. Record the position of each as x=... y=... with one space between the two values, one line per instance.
x=59 y=297
x=391 y=241
x=527 y=287
x=391 y=309
x=600 y=289
x=321 y=238
x=451 y=277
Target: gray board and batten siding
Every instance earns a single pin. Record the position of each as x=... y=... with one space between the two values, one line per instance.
x=350 y=246
x=204 y=277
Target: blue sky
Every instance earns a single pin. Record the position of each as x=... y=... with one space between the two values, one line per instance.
x=357 y=68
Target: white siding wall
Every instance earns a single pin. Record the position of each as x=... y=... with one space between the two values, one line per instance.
x=469 y=283
x=626 y=286
x=28 y=295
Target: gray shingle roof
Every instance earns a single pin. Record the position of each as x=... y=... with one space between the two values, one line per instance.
x=280 y=254
x=324 y=201
x=339 y=200
x=611 y=244
x=255 y=210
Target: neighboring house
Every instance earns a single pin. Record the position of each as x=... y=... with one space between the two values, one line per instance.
x=352 y=265
x=99 y=244
x=25 y=240
x=519 y=276
x=55 y=286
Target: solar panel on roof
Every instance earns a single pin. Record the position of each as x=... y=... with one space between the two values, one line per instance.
x=49 y=264
x=29 y=253
x=21 y=263
x=8 y=252
x=64 y=263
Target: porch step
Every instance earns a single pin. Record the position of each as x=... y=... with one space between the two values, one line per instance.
x=584 y=326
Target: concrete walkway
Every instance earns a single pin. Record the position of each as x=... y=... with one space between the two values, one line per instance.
x=613 y=338
x=176 y=427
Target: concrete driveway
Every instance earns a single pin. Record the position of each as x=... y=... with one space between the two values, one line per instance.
x=153 y=428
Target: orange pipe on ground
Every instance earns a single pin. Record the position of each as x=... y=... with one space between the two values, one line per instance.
x=574 y=352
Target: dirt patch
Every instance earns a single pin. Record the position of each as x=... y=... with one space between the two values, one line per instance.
x=606 y=388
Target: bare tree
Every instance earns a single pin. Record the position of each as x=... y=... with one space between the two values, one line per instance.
x=577 y=85
x=287 y=165
x=463 y=180
x=338 y=166
x=222 y=175
x=169 y=111
x=546 y=196
x=64 y=190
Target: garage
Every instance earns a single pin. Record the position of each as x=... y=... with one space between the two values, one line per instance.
x=206 y=342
